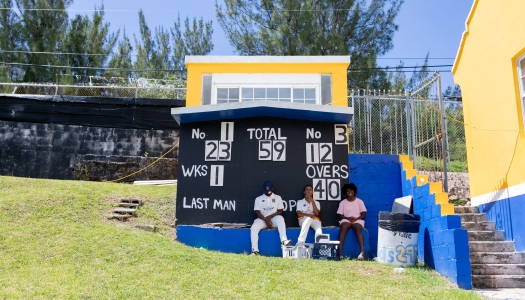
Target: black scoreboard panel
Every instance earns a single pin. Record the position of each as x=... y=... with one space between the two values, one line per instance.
x=223 y=165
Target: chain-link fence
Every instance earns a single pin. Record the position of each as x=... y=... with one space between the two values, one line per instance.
x=413 y=124
x=106 y=87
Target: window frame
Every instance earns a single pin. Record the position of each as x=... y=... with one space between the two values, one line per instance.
x=521 y=84
x=291 y=87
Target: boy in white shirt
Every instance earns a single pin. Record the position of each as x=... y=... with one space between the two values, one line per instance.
x=308 y=214
x=269 y=209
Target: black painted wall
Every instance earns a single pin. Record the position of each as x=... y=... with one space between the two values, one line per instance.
x=86 y=138
x=205 y=197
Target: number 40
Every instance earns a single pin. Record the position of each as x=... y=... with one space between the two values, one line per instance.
x=327 y=189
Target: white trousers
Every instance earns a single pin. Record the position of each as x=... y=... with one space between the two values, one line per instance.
x=258 y=224
x=305 y=224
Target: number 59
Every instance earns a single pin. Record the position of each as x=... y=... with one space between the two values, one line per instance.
x=272 y=150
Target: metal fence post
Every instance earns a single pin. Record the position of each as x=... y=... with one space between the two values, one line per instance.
x=56 y=86
x=413 y=130
x=408 y=109
x=368 y=124
x=444 y=138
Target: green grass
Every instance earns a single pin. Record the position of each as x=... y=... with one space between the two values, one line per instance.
x=426 y=164
x=55 y=242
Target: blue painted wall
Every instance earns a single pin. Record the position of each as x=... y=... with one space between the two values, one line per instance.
x=442 y=243
x=508 y=215
x=378 y=180
x=237 y=240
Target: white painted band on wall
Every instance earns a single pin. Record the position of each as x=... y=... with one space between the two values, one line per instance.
x=267 y=59
x=498 y=195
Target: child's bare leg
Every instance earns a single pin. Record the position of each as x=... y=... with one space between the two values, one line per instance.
x=344 y=227
x=358 y=229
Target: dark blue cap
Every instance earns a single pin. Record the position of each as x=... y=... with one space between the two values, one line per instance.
x=267 y=187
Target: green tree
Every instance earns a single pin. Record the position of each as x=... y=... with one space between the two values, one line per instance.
x=161 y=58
x=122 y=58
x=43 y=24
x=145 y=47
x=10 y=40
x=88 y=44
x=359 y=28
x=196 y=40
x=165 y=49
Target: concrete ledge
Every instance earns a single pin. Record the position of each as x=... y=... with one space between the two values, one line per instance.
x=237 y=240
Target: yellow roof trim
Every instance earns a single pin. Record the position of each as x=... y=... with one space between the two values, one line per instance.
x=464 y=36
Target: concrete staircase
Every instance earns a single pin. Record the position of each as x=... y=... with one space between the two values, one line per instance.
x=126 y=209
x=494 y=261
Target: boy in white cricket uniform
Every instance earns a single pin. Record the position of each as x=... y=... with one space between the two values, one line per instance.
x=308 y=214
x=268 y=208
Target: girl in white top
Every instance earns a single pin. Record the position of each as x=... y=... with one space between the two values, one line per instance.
x=308 y=214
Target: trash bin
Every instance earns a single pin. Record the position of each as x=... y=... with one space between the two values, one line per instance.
x=397 y=238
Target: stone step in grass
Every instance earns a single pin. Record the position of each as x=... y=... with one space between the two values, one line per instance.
x=498 y=269
x=498 y=281
x=466 y=209
x=479 y=226
x=473 y=217
x=120 y=210
x=497 y=258
x=128 y=205
x=486 y=236
x=131 y=200
x=119 y=217
x=492 y=246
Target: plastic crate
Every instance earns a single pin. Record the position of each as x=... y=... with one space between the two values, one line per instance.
x=326 y=251
x=298 y=251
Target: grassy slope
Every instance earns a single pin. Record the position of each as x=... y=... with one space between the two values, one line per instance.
x=56 y=243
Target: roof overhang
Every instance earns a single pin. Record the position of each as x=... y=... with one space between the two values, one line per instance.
x=265 y=108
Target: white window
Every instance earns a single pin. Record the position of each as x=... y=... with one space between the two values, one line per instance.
x=263 y=93
x=521 y=79
x=226 y=95
x=284 y=94
x=304 y=95
x=299 y=88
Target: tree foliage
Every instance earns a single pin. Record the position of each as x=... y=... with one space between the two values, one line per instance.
x=41 y=31
x=196 y=40
x=91 y=42
x=359 y=28
x=10 y=39
x=166 y=48
x=38 y=38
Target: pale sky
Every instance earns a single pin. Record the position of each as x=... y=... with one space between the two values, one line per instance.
x=425 y=26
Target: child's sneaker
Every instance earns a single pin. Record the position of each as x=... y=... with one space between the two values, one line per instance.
x=286 y=243
x=255 y=253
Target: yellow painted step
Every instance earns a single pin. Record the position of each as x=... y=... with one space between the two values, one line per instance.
x=441 y=198
x=411 y=173
x=403 y=158
x=447 y=209
x=407 y=165
x=421 y=179
x=436 y=187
